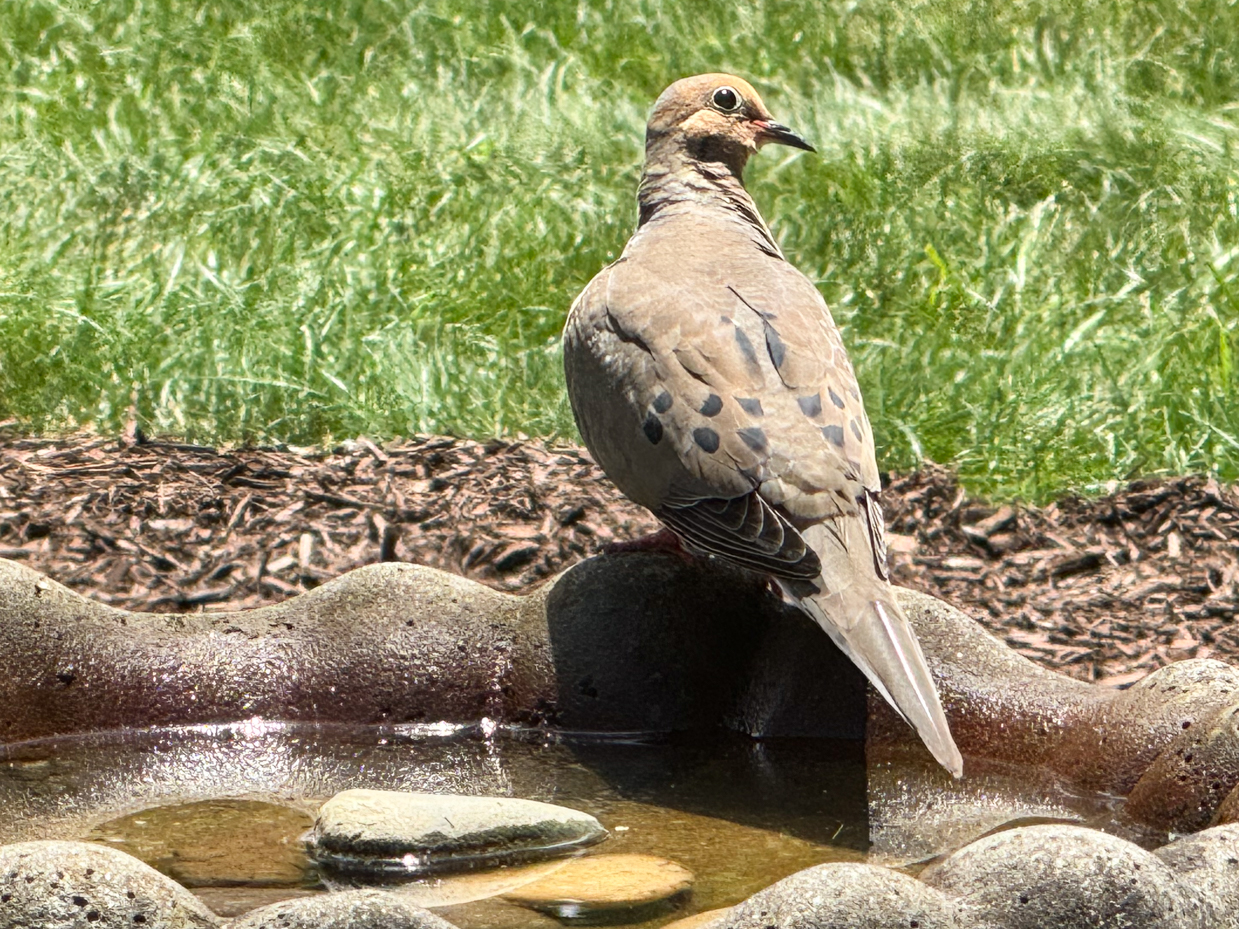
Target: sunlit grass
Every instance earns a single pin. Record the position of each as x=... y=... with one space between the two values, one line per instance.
x=295 y=221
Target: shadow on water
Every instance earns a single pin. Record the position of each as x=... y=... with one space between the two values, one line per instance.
x=814 y=789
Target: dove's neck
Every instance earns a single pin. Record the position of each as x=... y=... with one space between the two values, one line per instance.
x=676 y=182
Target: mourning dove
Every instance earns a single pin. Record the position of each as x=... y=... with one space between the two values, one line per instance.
x=710 y=383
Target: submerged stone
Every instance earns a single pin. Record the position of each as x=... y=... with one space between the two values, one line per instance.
x=390 y=834
x=80 y=885
x=355 y=909
x=597 y=883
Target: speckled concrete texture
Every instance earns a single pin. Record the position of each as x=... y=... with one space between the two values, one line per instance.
x=1067 y=877
x=353 y=909
x=78 y=885
x=845 y=896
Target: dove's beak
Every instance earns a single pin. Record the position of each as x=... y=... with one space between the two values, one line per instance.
x=768 y=131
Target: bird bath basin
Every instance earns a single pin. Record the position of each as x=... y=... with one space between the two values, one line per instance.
x=402 y=678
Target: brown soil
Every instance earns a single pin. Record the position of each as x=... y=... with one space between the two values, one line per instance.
x=1104 y=589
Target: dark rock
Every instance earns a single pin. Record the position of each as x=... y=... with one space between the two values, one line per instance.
x=644 y=642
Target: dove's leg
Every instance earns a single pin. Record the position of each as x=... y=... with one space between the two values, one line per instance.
x=664 y=540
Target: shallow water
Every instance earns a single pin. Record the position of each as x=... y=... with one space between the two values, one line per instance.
x=223 y=808
x=739 y=814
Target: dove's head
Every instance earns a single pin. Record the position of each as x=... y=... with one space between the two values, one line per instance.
x=717 y=118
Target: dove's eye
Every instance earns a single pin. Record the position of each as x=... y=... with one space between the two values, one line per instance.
x=727 y=100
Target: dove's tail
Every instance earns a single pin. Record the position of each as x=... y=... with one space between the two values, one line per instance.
x=859 y=611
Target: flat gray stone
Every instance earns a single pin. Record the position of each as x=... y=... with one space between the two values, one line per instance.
x=1066 y=877
x=393 y=833
x=1209 y=861
x=845 y=896
x=352 y=909
x=76 y=885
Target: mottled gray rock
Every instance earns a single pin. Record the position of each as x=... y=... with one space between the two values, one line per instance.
x=1209 y=862
x=352 y=909
x=387 y=832
x=76 y=885
x=1067 y=877
x=845 y=896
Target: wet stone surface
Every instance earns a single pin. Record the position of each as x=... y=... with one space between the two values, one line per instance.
x=391 y=834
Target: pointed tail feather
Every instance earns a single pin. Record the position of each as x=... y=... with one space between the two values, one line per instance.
x=876 y=635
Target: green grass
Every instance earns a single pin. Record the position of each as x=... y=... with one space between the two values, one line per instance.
x=298 y=221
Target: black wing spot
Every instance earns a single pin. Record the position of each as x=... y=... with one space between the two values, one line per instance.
x=812 y=405
x=623 y=335
x=713 y=405
x=746 y=347
x=775 y=346
x=856 y=431
x=751 y=405
x=754 y=437
x=833 y=434
x=706 y=438
x=653 y=428
x=835 y=398
x=662 y=403
x=854 y=392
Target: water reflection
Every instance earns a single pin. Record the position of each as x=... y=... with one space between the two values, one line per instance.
x=917 y=811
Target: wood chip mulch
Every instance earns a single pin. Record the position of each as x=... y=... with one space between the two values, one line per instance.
x=1106 y=589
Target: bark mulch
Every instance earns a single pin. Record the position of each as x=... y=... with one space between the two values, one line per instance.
x=1104 y=589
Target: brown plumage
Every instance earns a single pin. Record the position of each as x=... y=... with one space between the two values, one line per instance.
x=710 y=383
